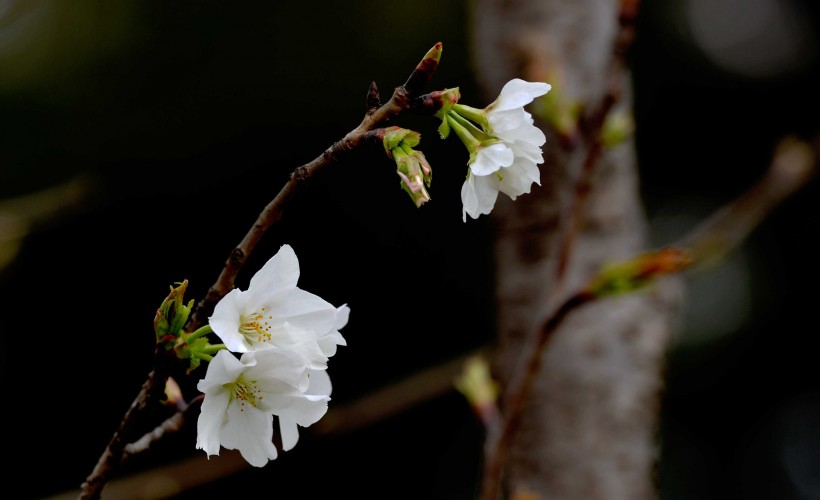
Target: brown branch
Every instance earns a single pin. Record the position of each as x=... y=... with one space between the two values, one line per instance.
x=404 y=98
x=170 y=425
x=151 y=391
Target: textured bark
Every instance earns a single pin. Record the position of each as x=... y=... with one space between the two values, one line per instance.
x=589 y=428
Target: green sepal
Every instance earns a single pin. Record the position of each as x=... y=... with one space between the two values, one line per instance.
x=187 y=349
x=444 y=129
x=396 y=137
x=449 y=98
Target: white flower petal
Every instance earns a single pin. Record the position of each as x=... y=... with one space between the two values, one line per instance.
x=507 y=120
x=490 y=159
x=517 y=93
x=223 y=369
x=278 y=276
x=276 y=366
x=329 y=340
x=526 y=132
x=226 y=320
x=251 y=432
x=319 y=383
x=469 y=199
x=209 y=424
x=478 y=195
x=306 y=310
x=307 y=410
x=518 y=178
x=289 y=431
x=328 y=343
x=342 y=316
x=300 y=341
x=527 y=151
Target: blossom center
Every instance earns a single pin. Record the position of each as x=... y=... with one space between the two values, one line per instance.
x=256 y=326
x=246 y=392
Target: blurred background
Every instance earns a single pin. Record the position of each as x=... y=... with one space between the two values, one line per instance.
x=140 y=140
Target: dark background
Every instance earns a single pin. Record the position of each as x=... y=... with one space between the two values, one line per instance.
x=185 y=118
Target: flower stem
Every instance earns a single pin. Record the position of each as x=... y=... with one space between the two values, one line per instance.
x=471 y=113
x=466 y=137
x=203 y=330
x=202 y=355
x=213 y=348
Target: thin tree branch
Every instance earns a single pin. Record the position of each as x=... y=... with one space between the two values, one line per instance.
x=793 y=165
x=404 y=98
x=172 y=424
x=151 y=391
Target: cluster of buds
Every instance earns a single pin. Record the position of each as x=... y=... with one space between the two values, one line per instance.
x=169 y=322
x=411 y=165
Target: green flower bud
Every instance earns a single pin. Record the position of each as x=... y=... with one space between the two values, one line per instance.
x=172 y=314
x=396 y=137
x=414 y=172
x=412 y=167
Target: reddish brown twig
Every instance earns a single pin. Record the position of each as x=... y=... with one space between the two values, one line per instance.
x=151 y=392
x=403 y=99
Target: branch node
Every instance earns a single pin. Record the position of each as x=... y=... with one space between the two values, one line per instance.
x=237 y=257
x=301 y=174
x=374 y=101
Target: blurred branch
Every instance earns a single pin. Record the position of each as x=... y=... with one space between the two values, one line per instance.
x=19 y=216
x=794 y=163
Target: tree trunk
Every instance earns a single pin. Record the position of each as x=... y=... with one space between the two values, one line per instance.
x=589 y=426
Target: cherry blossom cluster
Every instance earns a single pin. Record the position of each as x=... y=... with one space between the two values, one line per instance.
x=504 y=146
x=278 y=340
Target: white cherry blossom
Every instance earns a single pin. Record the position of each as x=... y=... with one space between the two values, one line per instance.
x=243 y=395
x=514 y=128
x=274 y=313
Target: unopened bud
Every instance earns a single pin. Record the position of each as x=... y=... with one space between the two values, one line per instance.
x=172 y=314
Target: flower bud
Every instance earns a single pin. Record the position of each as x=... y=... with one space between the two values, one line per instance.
x=412 y=166
x=172 y=314
x=414 y=172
